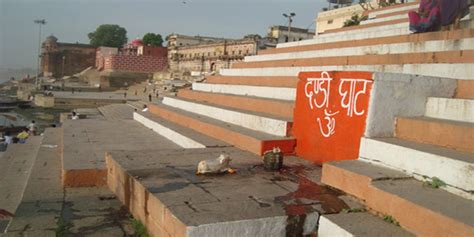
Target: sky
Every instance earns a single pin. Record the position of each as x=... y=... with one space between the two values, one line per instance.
x=72 y=20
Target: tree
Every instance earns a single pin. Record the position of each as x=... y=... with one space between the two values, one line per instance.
x=253 y=37
x=109 y=36
x=153 y=39
x=355 y=20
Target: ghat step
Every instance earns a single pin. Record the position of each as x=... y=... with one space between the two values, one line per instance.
x=453 y=167
x=415 y=206
x=275 y=81
x=445 y=133
x=357 y=224
x=266 y=106
x=279 y=93
x=275 y=125
x=244 y=138
x=461 y=110
x=181 y=136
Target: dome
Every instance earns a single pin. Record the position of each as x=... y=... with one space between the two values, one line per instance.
x=51 y=38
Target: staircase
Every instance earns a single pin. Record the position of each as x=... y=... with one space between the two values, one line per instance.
x=415 y=166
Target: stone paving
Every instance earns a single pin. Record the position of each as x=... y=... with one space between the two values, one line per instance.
x=162 y=184
x=86 y=141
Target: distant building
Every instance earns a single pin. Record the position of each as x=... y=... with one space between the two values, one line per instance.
x=206 y=54
x=280 y=34
x=133 y=57
x=63 y=59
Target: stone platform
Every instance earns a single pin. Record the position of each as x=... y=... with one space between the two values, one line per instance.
x=86 y=141
x=161 y=189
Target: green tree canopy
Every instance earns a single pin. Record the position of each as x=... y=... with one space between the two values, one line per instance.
x=153 y=39
x=109 y=36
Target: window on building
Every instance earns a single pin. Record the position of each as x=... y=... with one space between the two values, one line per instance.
x=240 y=52
x=286 y=38
x=233 y=52
x=330 y=22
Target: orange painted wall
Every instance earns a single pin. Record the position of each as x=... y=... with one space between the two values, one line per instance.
x=328 y=125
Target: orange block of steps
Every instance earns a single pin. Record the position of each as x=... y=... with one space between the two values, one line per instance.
x=330 y=114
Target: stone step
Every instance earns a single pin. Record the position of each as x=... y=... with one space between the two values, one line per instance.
x=444 y=133
x=465 y=89
x=255 y=81
x=243 y=138
x=275 y=125
x=377 y=49
x=461 y=110
x=279 y=93
x=389 y=29
x=403 y=15
x=17 y=163
x=369 y=27
x=376 y=13
x=446 y=70
x=86 y=141
x=424 y=161
x=42 y=201
x=117 y=111
x=161 y=189
x=357 y=224
x=422 y=210
x=266 y=106
x=455 y=56
x=181 y=136
x=410 y=38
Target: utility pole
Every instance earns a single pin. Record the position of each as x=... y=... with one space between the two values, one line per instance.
x=290 y=20
x=40 y=23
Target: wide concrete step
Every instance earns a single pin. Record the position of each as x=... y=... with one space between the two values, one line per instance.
x=358 y=224
x=418 y=208
x=259 y=105
x=465 y=89
x=424 y=161
x=446 y=70
x=432 y=57
x=181 y=136
x=161 y=189
x=275 y=125
x=397 y=39
x=377 y=49
x=461 y=110
x=445 y=133
x=243 y=138
x=279 y=93
x=400 y=15
x=376 y=13
x=289 y=82
x=16 y=165
x=368 y=27
x=117 y=111
x=42 y=201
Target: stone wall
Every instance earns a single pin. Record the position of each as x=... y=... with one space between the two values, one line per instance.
x=134 y=63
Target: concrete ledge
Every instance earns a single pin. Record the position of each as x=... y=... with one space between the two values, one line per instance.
x=271 y=125
x=378 y=49
x=445 y=133
x=181 y=136
x=432 y=57
x=461 y=110
x=357 y=224
x=280 y=93
x=408 y=201
x=243 y=138
x=424 y=161
x=434 y=70
x=267 y=106
x=161 y=189
x=384 y=11
x=289 y=82
x=411 y=38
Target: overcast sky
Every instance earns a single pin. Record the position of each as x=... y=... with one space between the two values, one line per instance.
x=72 y=20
